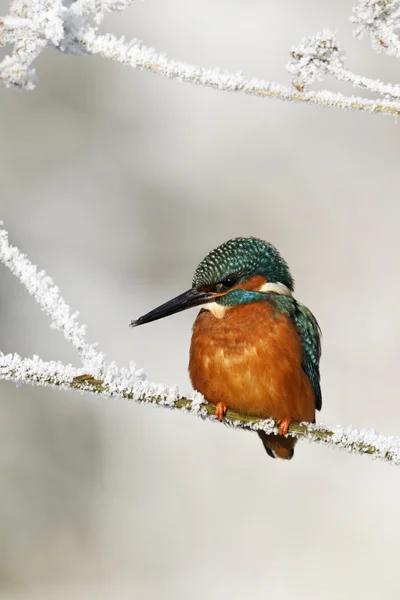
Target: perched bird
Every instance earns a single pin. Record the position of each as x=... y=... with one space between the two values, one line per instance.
x=254 y=348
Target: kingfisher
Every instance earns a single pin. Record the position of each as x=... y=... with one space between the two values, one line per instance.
x=255 y=349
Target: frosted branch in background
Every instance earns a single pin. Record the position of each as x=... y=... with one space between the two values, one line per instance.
x=109 y=380
x=314 y=58
x=73 y=27
x=49 y=298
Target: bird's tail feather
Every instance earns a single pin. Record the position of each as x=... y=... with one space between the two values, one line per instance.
x=278 y=446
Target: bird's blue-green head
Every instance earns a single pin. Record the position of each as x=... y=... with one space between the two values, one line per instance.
x=240 y=271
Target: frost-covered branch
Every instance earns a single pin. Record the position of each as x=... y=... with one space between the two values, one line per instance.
x=321 y=55
x=37 y=372
x=49 y=298
x=73 y=27
x=96 y=376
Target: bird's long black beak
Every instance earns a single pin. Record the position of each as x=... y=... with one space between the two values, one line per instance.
x=186 y=300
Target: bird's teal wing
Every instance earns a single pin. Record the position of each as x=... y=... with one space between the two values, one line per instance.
x=310 y=335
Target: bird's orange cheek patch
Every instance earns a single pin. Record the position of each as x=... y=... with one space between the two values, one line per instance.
x=252 y=284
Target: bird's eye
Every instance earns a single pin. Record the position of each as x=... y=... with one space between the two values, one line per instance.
x=229 y=282
x=226 y=284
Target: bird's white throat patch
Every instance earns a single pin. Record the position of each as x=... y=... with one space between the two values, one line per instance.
x=216 y=309
x=276 y=288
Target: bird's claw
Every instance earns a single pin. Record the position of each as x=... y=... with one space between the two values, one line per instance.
x=220 y=410
x=283 y=426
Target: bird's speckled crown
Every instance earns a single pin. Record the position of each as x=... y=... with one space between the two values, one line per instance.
x=243 y=258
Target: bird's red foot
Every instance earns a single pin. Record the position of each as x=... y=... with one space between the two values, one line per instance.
x=283 y=426
x=220 y=410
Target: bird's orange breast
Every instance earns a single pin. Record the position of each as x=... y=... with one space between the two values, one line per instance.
x=251 y=360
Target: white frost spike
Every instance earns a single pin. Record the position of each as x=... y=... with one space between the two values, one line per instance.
x=198 y=402
x=267 y=425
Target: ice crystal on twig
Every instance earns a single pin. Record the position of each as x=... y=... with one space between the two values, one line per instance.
x=314 y=57
x=381 y=18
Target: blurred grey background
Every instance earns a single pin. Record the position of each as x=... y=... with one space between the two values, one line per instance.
x=117 y=183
